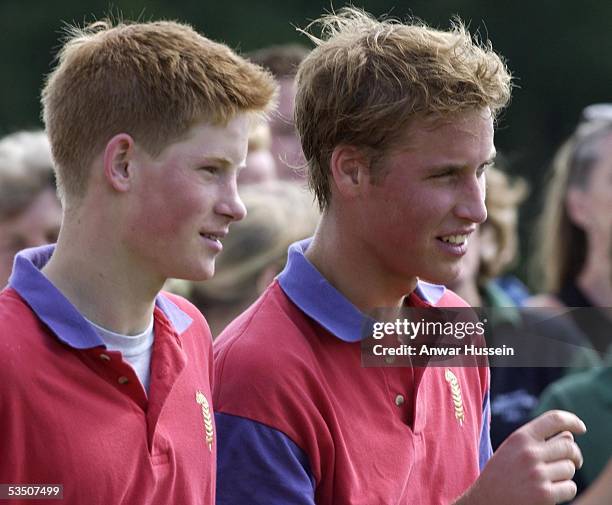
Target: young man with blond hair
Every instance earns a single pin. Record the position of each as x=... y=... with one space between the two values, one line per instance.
x=107 y=380
x=396 y=123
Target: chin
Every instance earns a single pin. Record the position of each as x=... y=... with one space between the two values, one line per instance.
x=443 y=276
x=203 y=273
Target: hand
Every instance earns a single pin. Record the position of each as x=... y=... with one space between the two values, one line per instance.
x=534 y=466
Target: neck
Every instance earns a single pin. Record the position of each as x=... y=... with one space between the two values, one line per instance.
x=101 y=281
x=354 y=270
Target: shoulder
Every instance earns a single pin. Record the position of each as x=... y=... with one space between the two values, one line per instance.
x=16 y=317
x=265 y=364
x=10 y=301
x=25 y=345
x=270 y=331
x=576 y=389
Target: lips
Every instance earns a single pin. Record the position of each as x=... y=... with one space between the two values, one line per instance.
x=213 y=239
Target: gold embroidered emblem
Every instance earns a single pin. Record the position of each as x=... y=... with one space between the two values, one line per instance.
x=208 y=423
x=456 y=396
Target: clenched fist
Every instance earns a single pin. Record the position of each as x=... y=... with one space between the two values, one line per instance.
x=534 y=466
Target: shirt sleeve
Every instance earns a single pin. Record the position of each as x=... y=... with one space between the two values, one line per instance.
x=485 y=450
x=260 y=465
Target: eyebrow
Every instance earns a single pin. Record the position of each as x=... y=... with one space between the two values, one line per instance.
x=490 y=161
x=224 y=162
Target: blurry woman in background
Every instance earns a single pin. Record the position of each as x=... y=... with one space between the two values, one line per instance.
x=575 y=256
x=575 y=231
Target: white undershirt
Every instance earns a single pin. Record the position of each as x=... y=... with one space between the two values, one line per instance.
x=135 y=349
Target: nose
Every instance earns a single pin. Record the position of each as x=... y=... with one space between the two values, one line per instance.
x=471 y=204
x=229 y=204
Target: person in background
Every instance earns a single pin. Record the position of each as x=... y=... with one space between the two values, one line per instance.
x=504 y=197
x=396 y=123
x=283 y=61
x=279 y=213
x=575 y=255
x=260 y=164
x=574 y=239
x=492 y=249
x=588 y=395
x=600 y=491
x=30 y=212
x=106 y=380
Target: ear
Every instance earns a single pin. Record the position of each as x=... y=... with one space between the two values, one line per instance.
x=577 y=207
x=350 y=170
x=118 y=160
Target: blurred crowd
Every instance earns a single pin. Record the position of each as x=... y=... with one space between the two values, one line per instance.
x=570 y=256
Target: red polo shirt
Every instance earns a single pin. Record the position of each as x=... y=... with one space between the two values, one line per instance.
x=301 y=421
x=74 y=414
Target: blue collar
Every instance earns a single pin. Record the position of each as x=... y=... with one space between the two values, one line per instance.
x=317 y=298
x=56 y=311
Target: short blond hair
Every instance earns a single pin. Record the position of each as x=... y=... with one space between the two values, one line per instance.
x=367 y=80
x=151 y=80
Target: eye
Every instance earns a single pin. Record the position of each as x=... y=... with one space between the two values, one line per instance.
x=211 y=169
x=444 y=173
x=481 y=170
